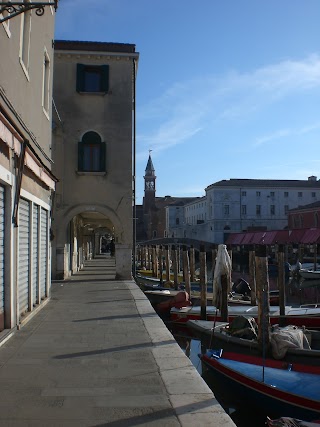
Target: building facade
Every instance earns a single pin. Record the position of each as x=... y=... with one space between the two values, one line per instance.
x=236 y=205
x=93 y=150
x=27 y=184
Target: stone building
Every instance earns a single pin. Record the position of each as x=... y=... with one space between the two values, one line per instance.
x=26 y=181
x=93 y=150
x=151 y=216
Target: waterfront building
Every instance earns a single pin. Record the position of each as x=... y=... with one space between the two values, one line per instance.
x=27 y=184
x=94 y=153
x=238 y=205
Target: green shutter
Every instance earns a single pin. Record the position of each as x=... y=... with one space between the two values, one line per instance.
x=80 y=156
x=80 y=77
x=105 y=78
x=103 y=157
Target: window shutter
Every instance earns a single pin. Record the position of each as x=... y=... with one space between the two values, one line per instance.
x=80 y=77
x=80 y=156
x=103 y=157
x=105 y=78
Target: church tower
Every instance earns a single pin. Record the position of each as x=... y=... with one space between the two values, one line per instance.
x=149 y=187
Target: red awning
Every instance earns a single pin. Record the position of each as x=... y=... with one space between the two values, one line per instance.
x=257 y=239
x=282 y=237
x=235 y=239
x=269 y=237
x=311 y=236
x=296 y=235
x=247 y=238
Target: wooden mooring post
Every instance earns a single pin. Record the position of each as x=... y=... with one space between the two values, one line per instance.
x=160 y=265
x=203 y=282
x=192 y=264
x=175 y=266
x=167 y=258
x=213 y=256
x=262 y=283
x=252 y=275
x=186 y=270
x=281 y=284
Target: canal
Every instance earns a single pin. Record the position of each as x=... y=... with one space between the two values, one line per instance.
x=242 y=411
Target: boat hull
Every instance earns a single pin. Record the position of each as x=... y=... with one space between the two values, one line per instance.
x=283 y=391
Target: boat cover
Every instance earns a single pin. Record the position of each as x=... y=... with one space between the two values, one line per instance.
x=223 y=266
x=281 y=339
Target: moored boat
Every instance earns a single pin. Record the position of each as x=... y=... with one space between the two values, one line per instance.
x=304 y=315
x=309 y=274
x=290 y=343
x=277 y=388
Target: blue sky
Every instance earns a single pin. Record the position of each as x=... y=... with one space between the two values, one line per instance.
x=225 y=88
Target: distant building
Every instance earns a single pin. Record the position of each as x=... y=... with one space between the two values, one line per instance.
x=27 y=184
x=94 y=93
x=237 y=205
x=307 y=216
x=151 y=216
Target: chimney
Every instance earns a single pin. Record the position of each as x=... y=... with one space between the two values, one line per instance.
x=312 y=178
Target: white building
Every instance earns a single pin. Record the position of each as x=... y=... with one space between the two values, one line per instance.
x=237 y=205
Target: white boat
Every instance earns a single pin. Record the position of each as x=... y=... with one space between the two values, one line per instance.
x=309 y=274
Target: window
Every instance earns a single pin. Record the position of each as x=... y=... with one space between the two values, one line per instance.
x=258 y=210
x=313 y=194
x=286 y=194
x=299 y=193
x=244 y=209
x=258 y=193
x=91 y=153
x=271 y=193
x=286 y=209
x=46 y=82
x=177 y=221
x=272 y=209
x=226 y=209
x=92 y=78
x=243 y=193
x=25 y=40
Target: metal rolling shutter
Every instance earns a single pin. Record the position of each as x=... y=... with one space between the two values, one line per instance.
x=2 y=257
x=35 y=258
x=43 y=251
x=24 y=255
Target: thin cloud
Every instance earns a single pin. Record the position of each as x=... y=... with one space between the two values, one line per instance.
x=187 y=107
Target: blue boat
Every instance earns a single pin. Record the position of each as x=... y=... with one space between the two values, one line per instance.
x=275 y=387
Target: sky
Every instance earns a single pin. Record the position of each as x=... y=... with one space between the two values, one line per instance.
x=225 y=88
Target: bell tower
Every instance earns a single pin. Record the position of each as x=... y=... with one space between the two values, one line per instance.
x=149 y=186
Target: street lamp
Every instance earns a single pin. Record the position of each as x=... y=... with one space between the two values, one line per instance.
x=14 y=8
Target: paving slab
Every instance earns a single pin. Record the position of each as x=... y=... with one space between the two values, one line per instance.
x=98 y=355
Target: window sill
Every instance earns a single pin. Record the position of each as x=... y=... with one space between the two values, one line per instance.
x=91 y=173
x=94 y=93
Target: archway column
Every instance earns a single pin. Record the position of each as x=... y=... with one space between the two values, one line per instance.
x=123 y=256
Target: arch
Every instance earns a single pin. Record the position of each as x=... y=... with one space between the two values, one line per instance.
x=104 y=210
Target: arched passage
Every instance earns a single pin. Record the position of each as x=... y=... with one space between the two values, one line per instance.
x=84 y=233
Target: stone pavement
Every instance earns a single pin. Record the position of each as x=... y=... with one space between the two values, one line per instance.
x=98 y=355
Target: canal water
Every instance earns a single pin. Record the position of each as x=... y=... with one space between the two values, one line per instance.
x=242 y=412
